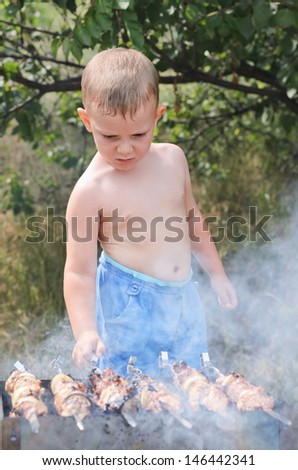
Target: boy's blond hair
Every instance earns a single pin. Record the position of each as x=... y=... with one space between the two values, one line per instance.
x=119 y=80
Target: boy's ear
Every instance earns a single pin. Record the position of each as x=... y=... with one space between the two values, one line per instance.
x=85 y=118
x=159 y=112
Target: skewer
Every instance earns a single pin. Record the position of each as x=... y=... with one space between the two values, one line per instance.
x=79 y=423
x=280 y=418
x=129 y=419
x=181 y=420
x=1 y=408
x=34 y=423
x=19 y=366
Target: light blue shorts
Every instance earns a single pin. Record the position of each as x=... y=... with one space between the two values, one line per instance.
x=138 y=315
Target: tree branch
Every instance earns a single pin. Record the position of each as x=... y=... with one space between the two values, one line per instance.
x=41 y=58
x=249 y=71
x=69 y=84
x=16 y=108
x=30 y=29
x=199 y=76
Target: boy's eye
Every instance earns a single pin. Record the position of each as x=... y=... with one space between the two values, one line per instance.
x=109 y=137
x=113 y=137
x=141 y=134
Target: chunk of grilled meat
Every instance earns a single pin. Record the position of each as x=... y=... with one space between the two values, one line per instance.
x=155 y=396
x=245 y=395
x=198 y=389
x=25 y=391
x=70 y=397
x=110 y=390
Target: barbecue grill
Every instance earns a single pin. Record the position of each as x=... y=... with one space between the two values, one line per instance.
x=153 y=431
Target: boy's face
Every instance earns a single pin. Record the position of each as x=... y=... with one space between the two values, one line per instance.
x=123 y=142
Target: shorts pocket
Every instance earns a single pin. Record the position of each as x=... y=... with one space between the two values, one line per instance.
x=125 y=299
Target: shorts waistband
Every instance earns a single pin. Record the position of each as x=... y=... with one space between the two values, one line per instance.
x=141 y=276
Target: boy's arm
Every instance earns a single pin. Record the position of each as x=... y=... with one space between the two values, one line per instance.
x=205 y=250
x=80 y=275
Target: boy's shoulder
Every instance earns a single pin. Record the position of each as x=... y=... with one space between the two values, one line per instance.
x=168 y=150
x=171 y=157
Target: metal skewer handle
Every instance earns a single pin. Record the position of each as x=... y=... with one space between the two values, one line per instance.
x=94 y=359
x=19 y=366
x=208 y=366
x=163 y=360
x=131 y=369
x=56 y=364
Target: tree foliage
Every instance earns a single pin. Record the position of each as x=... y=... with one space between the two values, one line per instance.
x=241 y=54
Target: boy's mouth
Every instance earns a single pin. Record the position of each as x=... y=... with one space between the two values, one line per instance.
x=129 y=159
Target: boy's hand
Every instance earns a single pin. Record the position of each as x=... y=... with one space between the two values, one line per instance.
x=87 y=345
x=226 y=293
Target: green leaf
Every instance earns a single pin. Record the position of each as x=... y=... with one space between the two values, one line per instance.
x=104 y=6
x=104 y=20
x=54 y=46
x=82 y=34
x=245 y=27
x=283 y=18
x=66 y=46
x=93 y=26
x=76 y=49
x=106 y=40
x=261 y=15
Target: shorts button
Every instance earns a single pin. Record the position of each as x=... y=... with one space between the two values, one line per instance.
x=134 y=288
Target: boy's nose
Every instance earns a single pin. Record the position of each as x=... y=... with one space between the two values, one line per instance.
x=124 y=148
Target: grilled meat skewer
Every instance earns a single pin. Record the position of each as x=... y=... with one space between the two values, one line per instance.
x=111 y=392
x=245 y=395
x=25 y=391
x=156 y=397
x=198 y=389
x=70 y=398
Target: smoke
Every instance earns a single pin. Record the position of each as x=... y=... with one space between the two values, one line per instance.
x=259 y=338
x=39 y=359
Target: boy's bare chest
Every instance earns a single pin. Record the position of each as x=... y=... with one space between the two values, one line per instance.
x=144 y=196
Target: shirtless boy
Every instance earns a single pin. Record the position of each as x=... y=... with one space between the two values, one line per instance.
x=135 y=200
